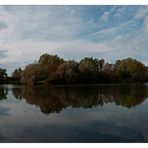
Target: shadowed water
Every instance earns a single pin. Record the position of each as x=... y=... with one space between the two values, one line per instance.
x=100 y=113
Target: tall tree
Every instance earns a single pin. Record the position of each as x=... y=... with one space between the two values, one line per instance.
x=89 y=65
x=50 y=59
x=3 y=74
x=33 y=74
x=88 y=70
x=130 y=70
x=66 y=73
x=17 y=74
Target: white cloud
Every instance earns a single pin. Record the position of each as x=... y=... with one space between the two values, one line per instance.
x=26 y=32
x=145 y=29
x=105 y=16
x=143 y=11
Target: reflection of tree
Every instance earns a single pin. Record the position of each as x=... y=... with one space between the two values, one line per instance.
x=3 y=93
x=131 y=95
x=17 y=93
x=55 y=99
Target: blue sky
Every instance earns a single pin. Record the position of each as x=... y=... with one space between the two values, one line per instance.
x=72 y=32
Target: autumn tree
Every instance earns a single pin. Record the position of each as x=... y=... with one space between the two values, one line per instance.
x=130 y=70
x=66 y=73
x=33 y=74
x=50 y=59
x=53 y=69
x=50 y=63
x=88 y=69
x=89 y=65
x=17 y=74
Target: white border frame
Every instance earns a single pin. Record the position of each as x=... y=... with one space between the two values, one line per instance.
x=74 y=2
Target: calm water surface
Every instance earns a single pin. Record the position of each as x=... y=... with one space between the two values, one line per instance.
x=103 y=113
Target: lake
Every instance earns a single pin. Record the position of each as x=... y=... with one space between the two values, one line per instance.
x=94 y=113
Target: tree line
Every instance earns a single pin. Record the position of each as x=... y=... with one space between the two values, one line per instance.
x=55 y=70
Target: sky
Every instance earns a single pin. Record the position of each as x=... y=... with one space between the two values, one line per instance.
x=72 y=32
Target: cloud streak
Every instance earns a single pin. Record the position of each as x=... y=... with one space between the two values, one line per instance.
x=73 y=32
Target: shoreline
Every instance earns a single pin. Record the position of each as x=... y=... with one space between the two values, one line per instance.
x=77 y=85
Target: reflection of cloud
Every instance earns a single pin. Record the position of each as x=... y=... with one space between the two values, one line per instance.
x=107 y=123
x=4 y=111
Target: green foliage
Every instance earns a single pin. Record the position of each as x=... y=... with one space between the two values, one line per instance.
x=130 y=70
x=89 y=65
x=50 y=59
x=90 y=70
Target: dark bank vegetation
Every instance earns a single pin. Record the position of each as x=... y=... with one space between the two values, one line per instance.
x=55 y=70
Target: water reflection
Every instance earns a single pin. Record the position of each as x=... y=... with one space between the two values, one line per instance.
x=55 y=99
x=3 y=93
